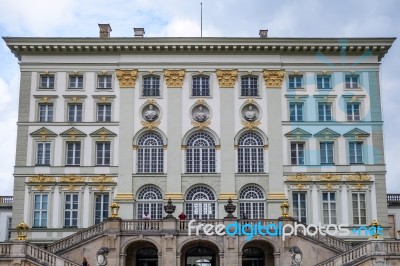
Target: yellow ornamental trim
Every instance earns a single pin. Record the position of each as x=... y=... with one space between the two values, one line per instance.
x=150 y=125
x=72 y=179
x=273 y=78
x=299 y=177
x=358 y=177
x=329 y=177
x=102 y=179
x=227 y=78
x=174 y=78
x=126 y=77
x=41 y=179
x=250 y=125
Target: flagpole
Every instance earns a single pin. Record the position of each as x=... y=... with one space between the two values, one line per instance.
x=201 y=19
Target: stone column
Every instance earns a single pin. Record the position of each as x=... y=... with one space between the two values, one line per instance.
x=125 y=197
x=276 y=195
x=174 y=81
x=227 y=82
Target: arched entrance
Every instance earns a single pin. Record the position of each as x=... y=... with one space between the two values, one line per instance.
x=142 y=253
x=200 y=253
x=258 y=253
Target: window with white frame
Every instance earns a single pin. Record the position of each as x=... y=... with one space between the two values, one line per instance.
x=104 y=82
x=353 y=111
x=200 y=153
x=200 y=86
x=296 y=112
x=297 y=155
x=102 y=205
x=40 y=209
x=200 y=203
x=150 y=153
x=250 y=153
x=324 y=111
x=352 y=81
x=75 y=82
x=329 y=207
x=299 y=200
x=71 y=207
x=73 y=157
x=295 y=82
x=356 y=152
x=151 y=86
x=103 y=153
x=43 y=153
x=249 y=85
x=74 y=112
x=46 y=82
x=104 y=112
x=150 y=200
x=359 y=208
x=324 y=82
x=45 y=112
x=326 y=152
x=251 y=203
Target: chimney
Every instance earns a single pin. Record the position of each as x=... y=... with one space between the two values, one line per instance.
x=263 y=33
x=139 y=32
x=105 y=30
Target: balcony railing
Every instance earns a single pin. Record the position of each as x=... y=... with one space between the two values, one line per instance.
x=6 y=200
x=393 y=199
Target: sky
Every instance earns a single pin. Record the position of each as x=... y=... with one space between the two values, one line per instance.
x=181 y=18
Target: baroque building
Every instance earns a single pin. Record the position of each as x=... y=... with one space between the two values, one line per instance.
x=138 y=121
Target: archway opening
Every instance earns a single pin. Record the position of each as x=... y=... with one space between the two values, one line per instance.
x=142 y=253
x=200 y=253
x=258 y=253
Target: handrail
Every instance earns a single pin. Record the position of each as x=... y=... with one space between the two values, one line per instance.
x=76 y=238
x=48 y=258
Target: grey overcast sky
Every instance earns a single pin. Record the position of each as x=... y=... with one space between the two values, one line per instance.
x=181 y=18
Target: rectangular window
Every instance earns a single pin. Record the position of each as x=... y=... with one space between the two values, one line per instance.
x=352 y=82
x=74 y=112
x=71 y=210
x=299 y=206
x=249 y=86
x=296 y=112
x=201 y=86
x=73 y=153
x=329 y=207
x=101 y=208
x=75 y=82
x=151 y=86
x=297 y=153
x=326 y=152
x=104 y=82
x=104 y=112
x=324 y=82
x=353 y=111
x=40 y=206
x=324 y=112
x=295 y=82
x=356 y=152
x=43 y=153
x=103 y=153
x=359 y=208
x=46 y=112
x=46 y=82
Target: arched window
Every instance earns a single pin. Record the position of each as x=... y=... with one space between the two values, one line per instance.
x=251 y=203
x=200 y=153
x=250 y=153
x=150 y=153
x=150 y=200
x=200 y=203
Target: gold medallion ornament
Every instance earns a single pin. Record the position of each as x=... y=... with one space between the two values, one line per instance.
x=274 y=78
x=126 y=77
x=227 y=78
x=174 y=77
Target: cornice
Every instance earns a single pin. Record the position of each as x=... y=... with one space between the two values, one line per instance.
x=356 y=46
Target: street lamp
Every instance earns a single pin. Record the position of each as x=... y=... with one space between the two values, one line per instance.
x=114 y=210
x=375 y=225
x=22 y=230
x=285 y=209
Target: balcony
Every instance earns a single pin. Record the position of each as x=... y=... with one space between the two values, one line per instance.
x=6 y=200
x=393 y=199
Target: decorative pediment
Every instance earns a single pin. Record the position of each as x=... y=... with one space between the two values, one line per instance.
x=327 y=133
x=174 y=77
x=227 y=78
x=43 y=133
x=73 y=133
x=356 y=133
x=102 y=133
x=298 y=133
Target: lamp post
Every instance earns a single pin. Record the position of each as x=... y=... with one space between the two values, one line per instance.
x=22 y=230
x=376 y=226
x=114 y=210
x=285 y=209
